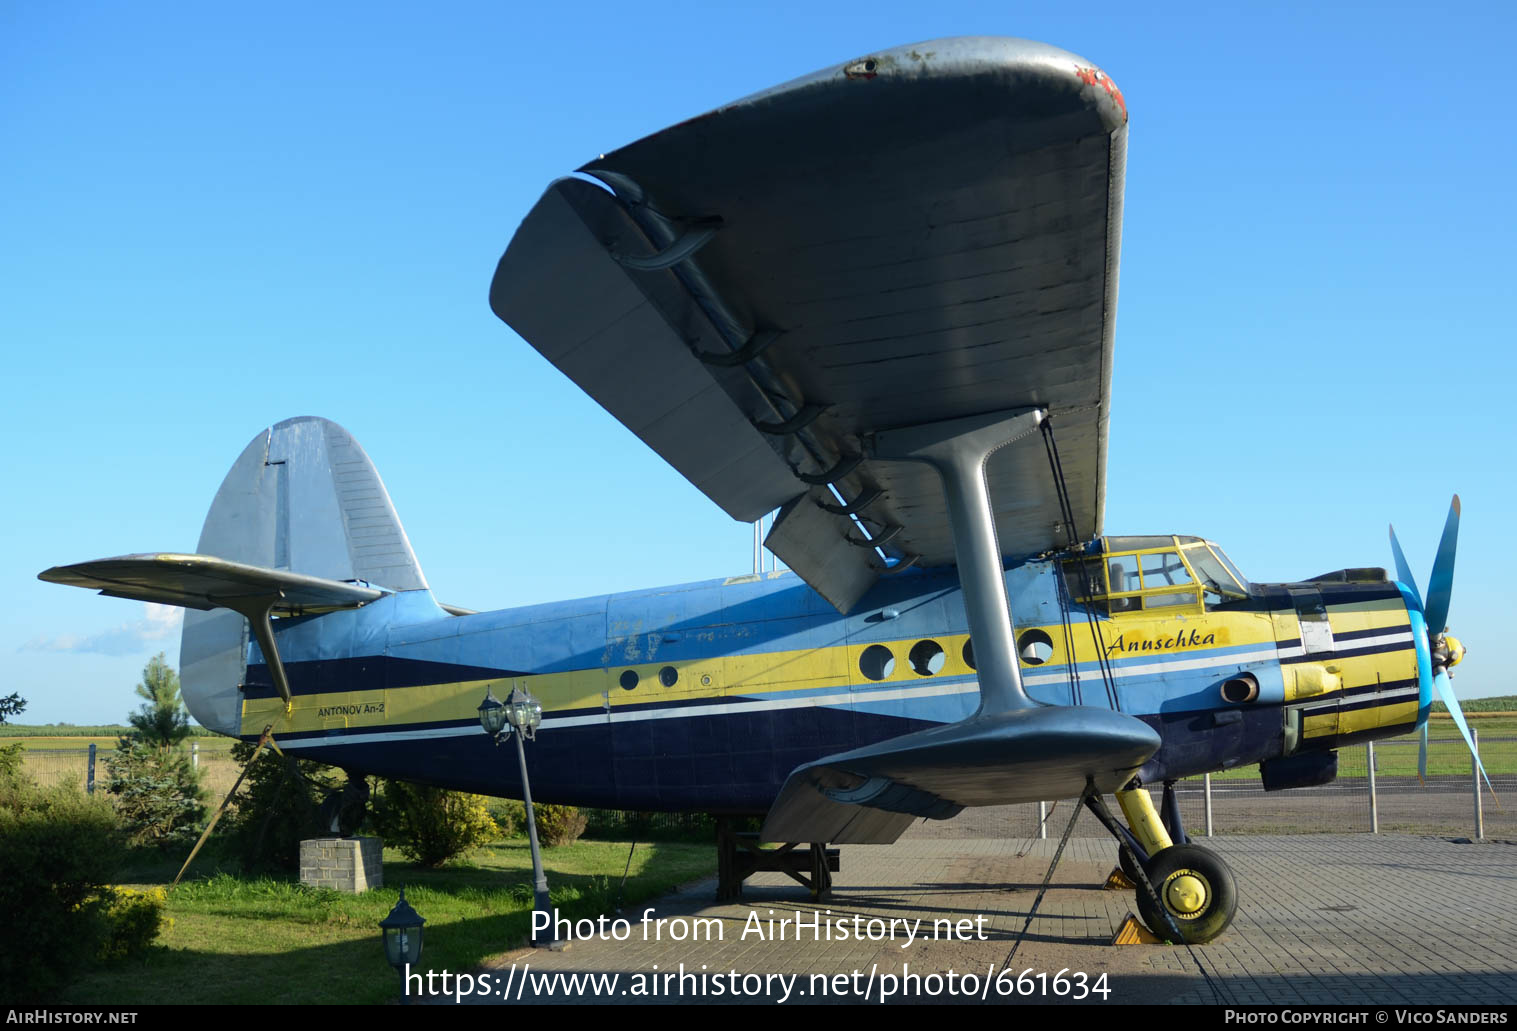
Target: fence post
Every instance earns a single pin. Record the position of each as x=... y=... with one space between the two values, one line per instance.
x=194 y=755
x=1043 y=820
x=1206 y=790
x=89 y=778
x=1369 y=759
x=1475 y=780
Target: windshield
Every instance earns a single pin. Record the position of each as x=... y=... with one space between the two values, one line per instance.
x=1213 y=567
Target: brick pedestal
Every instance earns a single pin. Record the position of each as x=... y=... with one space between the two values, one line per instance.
x=346 y=864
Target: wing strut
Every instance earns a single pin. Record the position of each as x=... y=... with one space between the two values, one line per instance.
x=958 y=450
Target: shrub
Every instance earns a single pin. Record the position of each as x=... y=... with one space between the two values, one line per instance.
x=132 y=920
x=430 y=825
x=277 y=808
x=558 y=824
x=59 y=850
x=11 y=757
x=157 y=792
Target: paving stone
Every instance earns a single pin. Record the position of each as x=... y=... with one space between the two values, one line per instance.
x=1351 y=918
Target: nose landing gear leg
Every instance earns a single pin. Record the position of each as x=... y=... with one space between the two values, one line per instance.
x=1185 y=893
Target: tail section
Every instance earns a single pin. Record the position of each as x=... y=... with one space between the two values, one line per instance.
x=302 y=497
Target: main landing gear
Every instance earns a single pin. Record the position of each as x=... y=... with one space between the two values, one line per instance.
x=1185 y=893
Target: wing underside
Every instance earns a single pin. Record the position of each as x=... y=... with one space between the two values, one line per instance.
x=926 y=233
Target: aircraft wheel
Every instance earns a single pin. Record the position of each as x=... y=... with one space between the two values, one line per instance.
x=1196 y=886
x=1125 y=861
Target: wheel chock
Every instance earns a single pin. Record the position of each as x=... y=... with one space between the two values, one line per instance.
x=1133 y=932
x=1118 y=881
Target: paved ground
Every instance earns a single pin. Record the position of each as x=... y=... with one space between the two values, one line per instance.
x=1348 y=918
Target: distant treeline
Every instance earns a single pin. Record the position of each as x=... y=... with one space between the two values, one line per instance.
x=69 y=730
x=1501 y=703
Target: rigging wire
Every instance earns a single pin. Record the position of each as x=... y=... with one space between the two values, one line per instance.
x=1066 y=512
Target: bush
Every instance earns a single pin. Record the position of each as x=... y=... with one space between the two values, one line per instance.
x=132 y=919
x=430 y=825
x=59 y=850
x=11 y=757
x=276 y=809
x=157 y=792
x=558 y=824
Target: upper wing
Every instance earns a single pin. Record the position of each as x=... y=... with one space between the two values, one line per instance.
x=924 y=233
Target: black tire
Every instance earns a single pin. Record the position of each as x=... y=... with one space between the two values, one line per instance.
x=1202 y=870
x=1125 y=861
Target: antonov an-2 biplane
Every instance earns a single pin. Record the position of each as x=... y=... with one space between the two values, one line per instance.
x=879 y=299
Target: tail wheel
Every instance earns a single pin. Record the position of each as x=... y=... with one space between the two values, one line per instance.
x=1196 y=888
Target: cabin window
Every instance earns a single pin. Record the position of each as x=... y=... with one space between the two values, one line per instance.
x=876 y=662
x=927 y=658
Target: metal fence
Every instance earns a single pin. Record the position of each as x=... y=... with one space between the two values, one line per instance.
x=50 y=766
x=1392 y=800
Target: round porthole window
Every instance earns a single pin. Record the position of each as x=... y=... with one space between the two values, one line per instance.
x=629 y=680
x=668 y=676
x=927 y=658
x=969 y=654
x=876 y=662
x=1035 y=647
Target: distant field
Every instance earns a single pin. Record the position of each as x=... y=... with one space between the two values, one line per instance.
x=1500 y=703
x=109 y=730
x=57 y=742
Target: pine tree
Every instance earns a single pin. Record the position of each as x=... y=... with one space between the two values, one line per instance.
x=162 y=722
x=156 y=789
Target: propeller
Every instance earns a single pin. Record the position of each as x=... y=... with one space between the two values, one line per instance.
x=1445 y=651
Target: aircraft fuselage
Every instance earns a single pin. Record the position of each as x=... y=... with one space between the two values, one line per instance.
x=705 y=696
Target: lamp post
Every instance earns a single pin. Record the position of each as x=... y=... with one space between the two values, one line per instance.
x=401 y=933
x=524 y=714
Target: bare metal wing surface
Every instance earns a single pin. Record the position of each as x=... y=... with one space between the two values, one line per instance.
x=919 y=234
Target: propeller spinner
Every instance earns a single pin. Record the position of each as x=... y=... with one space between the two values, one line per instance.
x=1446 y=651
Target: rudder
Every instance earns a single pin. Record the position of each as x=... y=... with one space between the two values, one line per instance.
x=303 y=496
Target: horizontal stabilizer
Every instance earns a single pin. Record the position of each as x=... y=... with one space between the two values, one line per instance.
x=870 y=795
x=207 y=582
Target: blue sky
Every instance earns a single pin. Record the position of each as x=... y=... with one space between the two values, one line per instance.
x=217 y=217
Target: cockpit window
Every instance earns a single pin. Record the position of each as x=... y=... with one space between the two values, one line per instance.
x=1228 y=564
x=1138 y=573
x=1221 y=584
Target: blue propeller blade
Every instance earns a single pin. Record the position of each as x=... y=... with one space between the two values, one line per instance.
x=1446 y=694
x=1441 y=584
x=1404 y=571
x=1422 y=755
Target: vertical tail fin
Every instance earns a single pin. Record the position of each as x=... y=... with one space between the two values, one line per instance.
x=303 y=496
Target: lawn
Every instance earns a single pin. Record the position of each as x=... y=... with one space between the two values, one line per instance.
x=261 y=940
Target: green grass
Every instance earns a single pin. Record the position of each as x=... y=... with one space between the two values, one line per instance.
x=260 y=940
